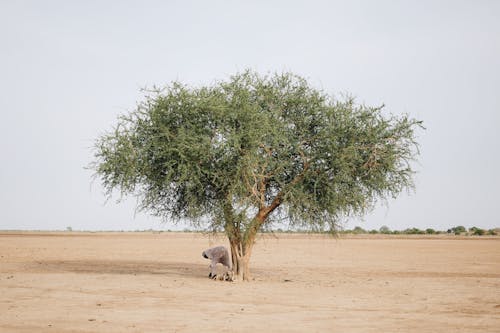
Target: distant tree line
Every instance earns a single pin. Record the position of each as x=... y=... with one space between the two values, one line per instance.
x=458 y=230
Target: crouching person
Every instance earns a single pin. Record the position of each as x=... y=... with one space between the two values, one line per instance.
x=219 y=255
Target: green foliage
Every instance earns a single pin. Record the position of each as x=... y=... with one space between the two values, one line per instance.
x=492 y=232
x=385 y=230
x=457 y=230
x=477 y=231
x=413 y=231
x=430 y=231
x=254 y=145
x=358 y=230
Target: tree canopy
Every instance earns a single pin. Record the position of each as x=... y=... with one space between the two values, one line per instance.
x=242 y=152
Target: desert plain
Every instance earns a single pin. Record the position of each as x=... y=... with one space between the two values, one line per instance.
x=158 y=282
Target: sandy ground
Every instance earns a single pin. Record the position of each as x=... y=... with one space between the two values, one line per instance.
x=157 y=282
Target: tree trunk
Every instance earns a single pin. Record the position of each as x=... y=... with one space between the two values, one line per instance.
x=240 y=255
x=242 y=242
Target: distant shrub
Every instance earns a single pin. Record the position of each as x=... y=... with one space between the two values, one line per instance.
x=492 y=232
x=374 y=231
x=430 y=231
x=414 y=231
x=457 y=230
x=385 y=230
x=477 y=231
x=358 y=230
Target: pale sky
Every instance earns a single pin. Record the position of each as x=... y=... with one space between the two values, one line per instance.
x=69 y=68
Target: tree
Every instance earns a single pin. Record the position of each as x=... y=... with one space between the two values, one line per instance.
x=414 y=231
x=241 y=154
x=457 y=230
x=385 y=230
x=492 y=232
x=477 y=231
x=358 y=230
